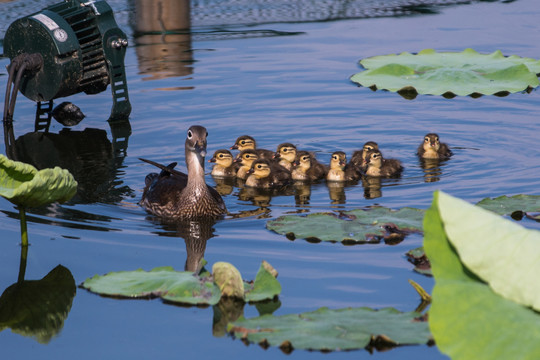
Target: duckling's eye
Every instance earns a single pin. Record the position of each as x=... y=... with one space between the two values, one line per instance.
x=426 y=139
x=335 y=157
x=305 y=158
x=259 y=166
x=243 y=142
x=284 y=150
x=375 y=156
x=189 y=134
x=220 y=156
x=369 y=148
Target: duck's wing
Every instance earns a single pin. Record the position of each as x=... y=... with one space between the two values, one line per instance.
x=166 y=169
x=217 y=197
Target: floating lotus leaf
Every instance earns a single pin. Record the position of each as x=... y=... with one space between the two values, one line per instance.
x=515 y=205
x=468 y=318
x=38 y=308
x=332 y=330
x=24 y=185
x=355 y=226
x=181 y=287
x=449 y=73
x=265 y=286
x=418 y=258
x=174 y=286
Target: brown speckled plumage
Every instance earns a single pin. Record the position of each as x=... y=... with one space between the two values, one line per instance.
x=173 y=194
x=381 y=167
x=358 y=158
x=431 y=148
x=307 y=168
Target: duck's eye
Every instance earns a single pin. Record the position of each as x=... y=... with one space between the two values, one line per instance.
x=220 y=156
x=243 y=142
x=259 y=166
x=305 y=158
x=284 y=150
x=189 y=134
x=426 y=139
x=207 y=134
x=335 y=157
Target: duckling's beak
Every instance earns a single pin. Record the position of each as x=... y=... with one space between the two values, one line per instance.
x=276 y=155
x=250 y=171
x=237 y=160
x=234 y=147
x=341 y=163
x=213 y=159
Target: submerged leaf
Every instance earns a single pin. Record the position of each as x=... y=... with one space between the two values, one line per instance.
x=332 y=330
x=24 y=185
x=355 y=226
x=467 y=318
x=449 y=73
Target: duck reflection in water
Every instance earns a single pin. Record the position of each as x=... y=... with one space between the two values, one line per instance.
x=195 y=234
x=432 y=169
x=372 y=187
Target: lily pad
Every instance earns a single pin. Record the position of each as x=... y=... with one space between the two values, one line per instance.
x=369 y=225
x=184 y=287
x=418 y=258
x=449 y=73
x=333 y=330
x=468 y=317
x=24 y=185
x=516 y=206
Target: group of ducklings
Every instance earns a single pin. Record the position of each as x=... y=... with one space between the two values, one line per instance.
x=261 y=168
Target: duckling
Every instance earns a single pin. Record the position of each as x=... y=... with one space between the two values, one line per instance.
x=307 y=168
x=245 y=158
x=245 y=142
x=378 y=166
x=358 y=158
x=340 y=170
x=286 y=153
x=431 y=148
x=263 y=175
x=173 y=194
x=224 y=163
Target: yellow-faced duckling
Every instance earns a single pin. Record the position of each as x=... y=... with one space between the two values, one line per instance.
x=264 y=175
x=173 y=194
x=245 y=158
x=286 y=154
x=340 y=170
x=432 y=148
x=378 y=166
x=224 y=166
x=359 y=157
x=307 y=168
x=246 y=142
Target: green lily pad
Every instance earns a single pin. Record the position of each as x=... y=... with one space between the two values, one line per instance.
x=468 y=318
x=174 y=286
x=265 y=286
x=185 y=287
x=418 y=258
x=449 y=73
x=24 y=185
x=356 y=226
x=333 y=330
x=515 y=206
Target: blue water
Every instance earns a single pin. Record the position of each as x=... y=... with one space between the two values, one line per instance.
x=288 y=88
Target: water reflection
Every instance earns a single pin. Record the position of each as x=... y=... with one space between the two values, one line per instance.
x=37 y=308
x=162 y=38
x=92 y=159
x=372 y=187
x=432 y=169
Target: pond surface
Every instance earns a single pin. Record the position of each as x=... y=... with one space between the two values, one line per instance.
x=278 y=82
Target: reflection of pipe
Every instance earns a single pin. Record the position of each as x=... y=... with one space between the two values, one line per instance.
x=162 y=37
x=24 y=245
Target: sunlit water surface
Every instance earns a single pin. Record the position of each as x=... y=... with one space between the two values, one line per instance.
x=290 y=88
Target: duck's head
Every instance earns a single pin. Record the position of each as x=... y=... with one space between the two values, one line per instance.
x=369 y=146
x=338 y=160
x=244 y=142
x=222 y=157
x=286 y=151
x=196 y=144
x=374 y=158
x=246 y=157
x=431 y=142
x=260 y=169
x=303 y=161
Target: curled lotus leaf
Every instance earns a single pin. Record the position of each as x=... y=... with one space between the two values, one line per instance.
x=369 y=225
x=332 y=330
x=449 y=73
x=24 y=185
x=485 y=269
x=228 y=279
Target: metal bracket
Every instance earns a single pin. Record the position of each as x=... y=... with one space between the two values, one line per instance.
x=43 y=116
